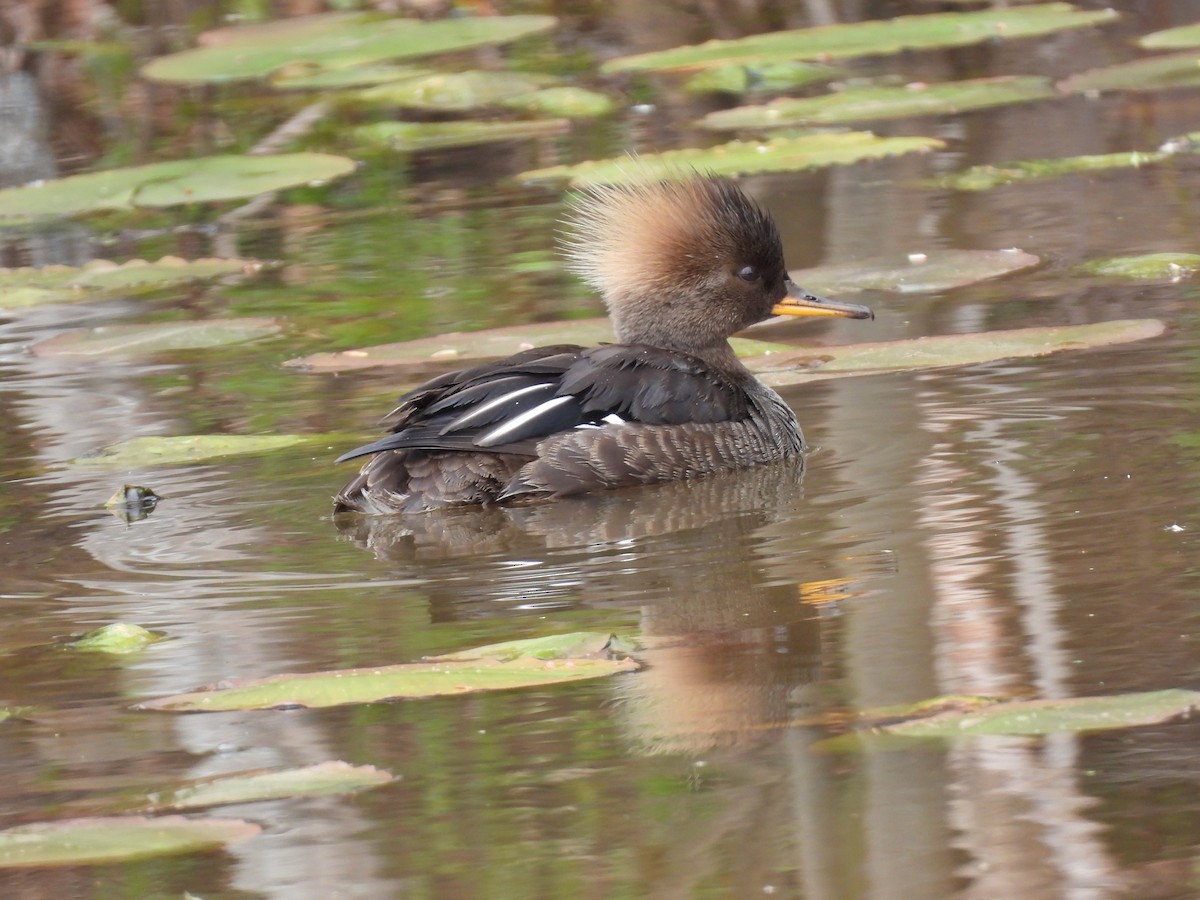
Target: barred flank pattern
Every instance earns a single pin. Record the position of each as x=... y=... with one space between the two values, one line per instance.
x=588 y=460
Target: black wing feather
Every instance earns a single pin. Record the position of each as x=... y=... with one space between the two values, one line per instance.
x=640 y=384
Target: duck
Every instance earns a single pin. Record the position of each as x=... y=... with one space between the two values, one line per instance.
x=682 y=264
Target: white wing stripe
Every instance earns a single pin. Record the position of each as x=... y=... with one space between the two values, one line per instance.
x=481 y=411
x=507 y=427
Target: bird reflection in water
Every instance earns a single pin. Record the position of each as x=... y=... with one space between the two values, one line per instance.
x=713 y=568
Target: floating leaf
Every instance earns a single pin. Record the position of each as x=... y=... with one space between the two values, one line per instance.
x=810 y=151
x=772 y=77
x=463 y=674
x=1172 y=38
x=27 y=286
x=566 y=102
x=333 y=41
x=875 y=37
x=887 y=102
x=308 y=78
x=152 y=338
x=319 y=780
x=1032 y=717
x=119 y=637
x=205 y=180
x=454 y=91
x=941 y=351
x=74 y=842
x=938 y=270
x=577 y=645
x=982 y=178
x=461 y=348
x=411 y=137
x=1150 y=267
x=1154 y=73
x=188 y=448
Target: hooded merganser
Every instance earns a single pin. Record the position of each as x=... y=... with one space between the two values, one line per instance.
x=681 y=265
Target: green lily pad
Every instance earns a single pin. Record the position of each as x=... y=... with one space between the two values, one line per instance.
x=1155 y=73
x=464 y=348
x=185 y=449
x=810 y=151
x=454 y=91
x=763 y=77
x=875 y=37
x=158 y=337
x=60 y=284
x=119 y=637
x=565 y=102
x=318 y=780
x=938 y=270
x=982 y=178
x=308 y=78
x=1149 y=267
x=463 y=674
x=1034 y=717
x=412 y=137
x=576 y=645
x=205 y=180
x=800 y=366
x=1172 y=38
x=110 y=839
x=888 y=102
x=333 y=41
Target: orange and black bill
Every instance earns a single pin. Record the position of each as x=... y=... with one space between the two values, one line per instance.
x=800 y=302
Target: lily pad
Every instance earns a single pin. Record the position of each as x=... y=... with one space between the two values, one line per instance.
x=982 y=178
x=576 y=645
x=875 y=37
x=1149 y=267
x=887 y=102
x=777 y=364
x=119 y=637
x=763 y=77
x=1155 y=73
x=412 y=137
x=461 y=675
x=810 y=151
x=308 y=78
x=941 y=351
x=463 y=348
x=1172 y=38
x=319 y=780
x=938 y=270
x=1034 y=717
x=74 y=842
x=205 y=180
x=149 y=339
x=185 y=449
x=58 y=284
x=333 y=41
x=565 y=101
x=454 y=91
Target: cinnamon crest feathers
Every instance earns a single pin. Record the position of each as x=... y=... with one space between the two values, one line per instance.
x=681 y=265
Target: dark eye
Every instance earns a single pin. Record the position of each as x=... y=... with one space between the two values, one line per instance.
x=748 y=273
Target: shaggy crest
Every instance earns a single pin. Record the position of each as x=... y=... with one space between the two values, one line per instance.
x=630 y=239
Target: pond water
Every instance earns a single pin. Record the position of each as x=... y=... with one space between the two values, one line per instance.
x=1025 y=528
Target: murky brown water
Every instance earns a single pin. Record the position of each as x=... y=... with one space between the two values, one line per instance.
x=1019 y=528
